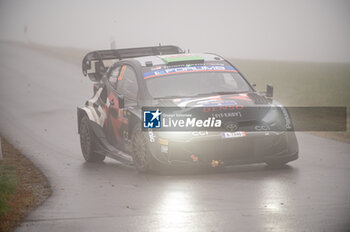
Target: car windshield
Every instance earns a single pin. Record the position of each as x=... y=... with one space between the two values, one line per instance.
x=192 y=84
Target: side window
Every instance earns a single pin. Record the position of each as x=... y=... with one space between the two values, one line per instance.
x=114 y=77
x=127 y=83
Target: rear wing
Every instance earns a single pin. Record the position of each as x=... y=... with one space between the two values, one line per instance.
x=97 y=58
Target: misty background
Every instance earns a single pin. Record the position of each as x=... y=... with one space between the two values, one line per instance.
x=300 y=47
x=268 y=30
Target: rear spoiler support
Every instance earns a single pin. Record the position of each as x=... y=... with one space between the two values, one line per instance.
x=97 y=57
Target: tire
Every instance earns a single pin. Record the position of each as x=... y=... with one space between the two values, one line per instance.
x=87 y=142
x=142 y=157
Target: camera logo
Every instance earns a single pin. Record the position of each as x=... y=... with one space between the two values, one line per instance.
x=152 y=118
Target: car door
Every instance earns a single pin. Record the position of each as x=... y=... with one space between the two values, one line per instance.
x=122 y=95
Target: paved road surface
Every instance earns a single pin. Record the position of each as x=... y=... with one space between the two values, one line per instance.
x=38 y=97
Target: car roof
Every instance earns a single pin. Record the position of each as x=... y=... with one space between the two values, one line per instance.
x=160 y=59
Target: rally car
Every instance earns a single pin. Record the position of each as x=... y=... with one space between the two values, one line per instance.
x=131 y=88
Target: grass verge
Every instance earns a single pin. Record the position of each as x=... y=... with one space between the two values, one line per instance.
x=22 y=187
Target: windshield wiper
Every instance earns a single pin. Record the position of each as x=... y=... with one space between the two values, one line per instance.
x=228 y=92
x=219 y=93
x=201 y=94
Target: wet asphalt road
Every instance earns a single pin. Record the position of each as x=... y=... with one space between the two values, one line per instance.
x=38 y=98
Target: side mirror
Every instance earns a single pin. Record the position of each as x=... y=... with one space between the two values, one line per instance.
x=269 y=91
x=121 y=101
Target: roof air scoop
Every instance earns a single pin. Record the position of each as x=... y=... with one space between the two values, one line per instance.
x=182 y=59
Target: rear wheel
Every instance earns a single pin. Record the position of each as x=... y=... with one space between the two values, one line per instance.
x=87 y=142
x=142 y=157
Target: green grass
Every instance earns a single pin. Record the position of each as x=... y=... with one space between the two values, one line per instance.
x=8 y=184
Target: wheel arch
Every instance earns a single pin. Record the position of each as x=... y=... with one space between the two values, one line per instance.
x=81 y=112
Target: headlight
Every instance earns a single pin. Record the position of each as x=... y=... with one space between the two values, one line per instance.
x=272 y=117
x=278 y=116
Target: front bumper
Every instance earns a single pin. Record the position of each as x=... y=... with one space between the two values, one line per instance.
x=255 y=147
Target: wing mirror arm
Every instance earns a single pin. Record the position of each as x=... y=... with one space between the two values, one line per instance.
x=269 y=91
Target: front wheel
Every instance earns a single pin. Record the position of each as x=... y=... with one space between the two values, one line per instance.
x=87 y=142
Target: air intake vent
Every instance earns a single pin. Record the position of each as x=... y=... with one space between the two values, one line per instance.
x=258 y=98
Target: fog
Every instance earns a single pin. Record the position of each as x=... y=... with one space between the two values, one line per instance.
x=274 y=30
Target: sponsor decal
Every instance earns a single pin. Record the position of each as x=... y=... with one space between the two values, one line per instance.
x=194 y=158
x=152 y=137
x=199 y=133
x=163 y=141
x=227 y=115
x=286 y=117
x=122 y=71
x=95 y=111
x=188 y=69
x=156 y=67
x=233 y=134
x=262 y=128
